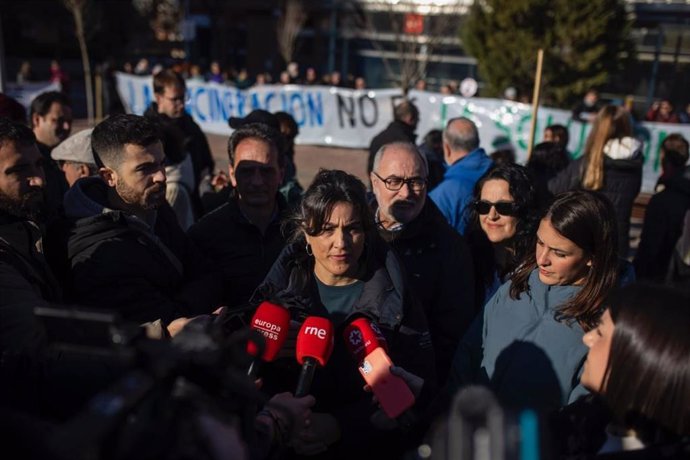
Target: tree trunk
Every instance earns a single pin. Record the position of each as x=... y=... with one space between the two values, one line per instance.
x=86 y=63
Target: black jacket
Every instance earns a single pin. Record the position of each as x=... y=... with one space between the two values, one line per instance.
x=663 y=225
x=238 y=248
x=120 y=263
x=396 y=131
x=622 y=183
x=338 y=387
x=56 y=185
x=441 y=275
x=33 y=377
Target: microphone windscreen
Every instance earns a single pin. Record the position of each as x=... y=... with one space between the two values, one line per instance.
x=315 y=340
x=273 y=322
x=362 y=336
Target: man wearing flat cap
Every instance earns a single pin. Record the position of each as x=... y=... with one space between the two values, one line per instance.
x=75 y=158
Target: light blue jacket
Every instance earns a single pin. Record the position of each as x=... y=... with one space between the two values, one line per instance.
x=527 y=357
x=454 y=193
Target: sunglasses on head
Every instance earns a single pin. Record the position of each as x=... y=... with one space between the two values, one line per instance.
x=504 y=208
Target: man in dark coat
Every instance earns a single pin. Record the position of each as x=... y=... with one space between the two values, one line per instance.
x=51 y=121
x=435 y=256
x=126 y=250
x=401 y=129
x=33 y=377
x=244 y=235
x=663 y=225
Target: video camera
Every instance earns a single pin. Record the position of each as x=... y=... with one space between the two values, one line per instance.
x=179 y=400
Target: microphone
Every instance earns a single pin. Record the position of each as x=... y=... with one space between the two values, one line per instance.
x=362 y=336
x=272 y=322
x=314 y=348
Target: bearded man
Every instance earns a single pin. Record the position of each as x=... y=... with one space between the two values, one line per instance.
x=126 y=249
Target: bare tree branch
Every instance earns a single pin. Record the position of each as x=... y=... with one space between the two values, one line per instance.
x=412 y=52
x=289 y=26
x=77 y=8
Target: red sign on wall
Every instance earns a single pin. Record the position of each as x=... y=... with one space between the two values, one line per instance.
x=414 y=24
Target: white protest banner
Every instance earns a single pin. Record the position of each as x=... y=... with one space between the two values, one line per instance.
x=325 y=115
x=501 y=122
x=351 y=118
x=24 y=93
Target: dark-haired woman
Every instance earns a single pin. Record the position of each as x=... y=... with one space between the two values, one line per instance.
x=638 y=361
x=546 y=161
x=337 y=267
x=502 y=224
x=531 y=347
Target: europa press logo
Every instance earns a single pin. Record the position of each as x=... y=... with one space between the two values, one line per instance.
x=267 y=329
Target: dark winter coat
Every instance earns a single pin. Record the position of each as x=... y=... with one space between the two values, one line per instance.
x=441 y=275
x=56 y=185
x=396 y=131
x=622 y=183
x=34 y=377
x=338 y=387
x=118 y=262
x=663 y=225
x=238 y=248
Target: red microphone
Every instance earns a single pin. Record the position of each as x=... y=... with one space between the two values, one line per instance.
x=273 y=322
x=314 y=348
x=362 y=336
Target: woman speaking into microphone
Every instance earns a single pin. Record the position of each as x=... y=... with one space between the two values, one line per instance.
x=337 y=267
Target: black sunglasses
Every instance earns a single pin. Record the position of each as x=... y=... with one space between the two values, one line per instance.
x=504 y=208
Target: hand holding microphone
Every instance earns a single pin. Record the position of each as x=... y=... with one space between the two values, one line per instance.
x=368 y=346
x=314 y=348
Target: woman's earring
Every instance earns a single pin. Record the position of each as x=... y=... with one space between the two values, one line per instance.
x=308 y=249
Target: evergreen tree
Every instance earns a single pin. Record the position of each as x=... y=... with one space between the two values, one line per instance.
x=584 y=42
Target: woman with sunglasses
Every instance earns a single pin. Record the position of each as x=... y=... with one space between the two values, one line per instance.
x=530 y=348
x=502 y=224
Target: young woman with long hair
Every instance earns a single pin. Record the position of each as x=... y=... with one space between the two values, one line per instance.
x=530 y=348
x=611 y=164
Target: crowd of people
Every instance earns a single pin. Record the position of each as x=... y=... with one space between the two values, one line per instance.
x=515 y=278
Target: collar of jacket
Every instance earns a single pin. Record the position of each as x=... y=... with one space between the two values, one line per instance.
x=422 y=225
x=473 y=161
x=383 y=294
x=25 y=239
x=21 y=234
x=280 y=212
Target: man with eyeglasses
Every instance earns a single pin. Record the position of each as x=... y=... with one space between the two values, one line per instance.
x=436 y=258
x=467 y=162
x=244 y=236
x=195 y=163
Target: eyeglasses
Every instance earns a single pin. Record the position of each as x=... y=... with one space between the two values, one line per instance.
x=504 y=208
x=395 y=183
